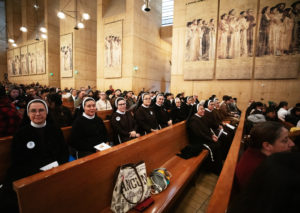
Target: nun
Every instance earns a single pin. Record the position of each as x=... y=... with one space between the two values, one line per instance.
x=177 y=112
x=38 y=143
x=161 y=113
x=123 y=123
x=145 y=116
x=37 y=146
x=88 y=130
x=200 y=135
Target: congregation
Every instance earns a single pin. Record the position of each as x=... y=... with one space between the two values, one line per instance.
x=34 y=114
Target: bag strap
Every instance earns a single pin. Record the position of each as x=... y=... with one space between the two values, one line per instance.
x=137 y=174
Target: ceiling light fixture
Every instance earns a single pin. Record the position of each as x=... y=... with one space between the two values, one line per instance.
x=61 y=15
x=23 y=29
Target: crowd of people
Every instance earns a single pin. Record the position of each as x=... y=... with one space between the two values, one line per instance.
x=34 y=114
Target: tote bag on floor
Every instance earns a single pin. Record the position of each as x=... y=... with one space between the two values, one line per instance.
x=130 y=187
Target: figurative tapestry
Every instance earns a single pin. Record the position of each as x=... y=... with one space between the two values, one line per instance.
x=278 y=40
x=236 y=33
x=200 y=39
x=24 y=60
x=17 y=62
x=113 y=33
x=10 y=63
x=66 y=55
x=40 y=58
x=32 y=59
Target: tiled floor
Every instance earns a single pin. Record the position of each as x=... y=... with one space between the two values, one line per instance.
x=196 y=198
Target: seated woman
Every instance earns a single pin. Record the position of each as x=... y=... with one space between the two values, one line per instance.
x=200 y=136
x=177 y=113
x=161 y=113
x=265 y=139
x=88 y=130
x=60 y=114
x=38 y=143
x=122 y=122
x=102 y=103
x=188 y=107
x=34 y=146
x=145 y=116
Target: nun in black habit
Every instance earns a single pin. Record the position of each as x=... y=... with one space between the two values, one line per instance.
x=35 y=145
x=88 y=130
x=145 y=116
x=123 y=123
x=200 y=136
x=162 y=115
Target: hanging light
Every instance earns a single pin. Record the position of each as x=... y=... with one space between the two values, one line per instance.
x=80 y=25
x=44 y=36
x=86 y=16
x=14 y=45
x=43 y=29
x=10 y=40
x=23 y=29
x=61 y=15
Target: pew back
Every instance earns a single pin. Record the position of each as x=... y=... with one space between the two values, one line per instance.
x=221 y=196
x=86 y=185
x=69 y=104
x=5 y=156
x=104 y=113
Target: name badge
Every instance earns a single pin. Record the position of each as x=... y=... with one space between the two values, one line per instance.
x=30 y=145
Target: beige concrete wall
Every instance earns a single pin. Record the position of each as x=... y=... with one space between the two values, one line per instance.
x=84 y=45
x=142 y=47
x=21 y=12
x=150 y=53
x=260 y=90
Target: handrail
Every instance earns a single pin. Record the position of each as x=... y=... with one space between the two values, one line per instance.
x=220 y=198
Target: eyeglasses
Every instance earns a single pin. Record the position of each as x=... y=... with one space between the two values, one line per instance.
x=34 y=111
x=122 y=104
x=147 y=98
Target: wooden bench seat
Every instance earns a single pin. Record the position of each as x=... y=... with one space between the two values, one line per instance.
x=86 y=185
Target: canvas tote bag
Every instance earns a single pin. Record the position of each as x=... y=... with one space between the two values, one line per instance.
x=130 y=187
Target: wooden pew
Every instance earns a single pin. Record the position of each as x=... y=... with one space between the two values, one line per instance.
x=221 y=196
x=86 y=185
x=5 y=156
x=69 y=104
x=5 y=147
x=104 y=113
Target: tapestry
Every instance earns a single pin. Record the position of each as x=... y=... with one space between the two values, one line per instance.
x=113 y=33
x=200 y=39
x=66 y=55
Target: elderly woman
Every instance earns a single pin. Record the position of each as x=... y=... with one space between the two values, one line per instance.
x=162 y=115
x=145 y=116
x=36 y=147
x=201 y=136
x=122 y=122
x=88 y=130
x=177 y=112
x=37 y=144
x=103 y=103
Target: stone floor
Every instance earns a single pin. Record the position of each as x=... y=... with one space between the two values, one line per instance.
x=196 y=198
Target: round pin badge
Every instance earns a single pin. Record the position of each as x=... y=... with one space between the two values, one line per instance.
x=30 y=145
x=151 y=113
x=118 y=118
